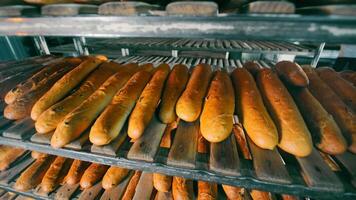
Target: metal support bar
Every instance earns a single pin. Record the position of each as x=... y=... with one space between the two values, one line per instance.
x=80 y=46
x=317 y=55
x=41 y=45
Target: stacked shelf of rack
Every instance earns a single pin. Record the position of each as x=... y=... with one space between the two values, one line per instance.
x=273 y=171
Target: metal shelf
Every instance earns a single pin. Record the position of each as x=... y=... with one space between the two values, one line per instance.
x=331 y=29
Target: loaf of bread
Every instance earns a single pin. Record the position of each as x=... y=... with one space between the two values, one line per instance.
x=131 y=187
x=343 y=115
x=233 y=192
x=253 y=67
x=33 y=175
x=326 y=134
x=37 y=155
x=78 y=120
x=190 y=103
x=345 y=90
x=292 y=73
x=241 y=140
x=112 y=119
x=114 y=176
x=203 y=145
x=207 y=191
x=260 y=195
x=252 y=111
x=50 y=118
x=92 y=175
x=182 y=189
x=22 y=106
x=162 y=182
x=9 y=157
x=146 y=105
x=349 y=75
x=31 y=83
x=64 y=85
x=216 y=118
x=76 y=172
x=55 y=174
x=295 y=137
x=173 y=88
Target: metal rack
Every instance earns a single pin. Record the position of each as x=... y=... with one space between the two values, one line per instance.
x=269 y=170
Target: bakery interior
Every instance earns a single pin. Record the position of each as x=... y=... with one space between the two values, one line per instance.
x=178 y=100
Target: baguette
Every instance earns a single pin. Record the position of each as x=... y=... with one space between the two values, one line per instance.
x=112 y=119
x=216 y=119
x=33 y=175
x=76 y=172
x=349 y=75
x=252 y=112
x=146 y=105
x=93 y=174
x=343 y=115
x=162 y=182
x=63 y=86
x=292 y=73
x=174 y=87
x=114 y=176
x=345 y=90
x=182 y=189
x=37 y=155
x=9 y=157
x=253 y=67
x=207 y=191
x=326 y=134
x=50 y=118
x=21 y=108
x=260 y=195
x=232 y=192
x=131 y=187
x=190 y=103
x=82 y=117
x=295 y=136
x=27 y=85
x=55 y=174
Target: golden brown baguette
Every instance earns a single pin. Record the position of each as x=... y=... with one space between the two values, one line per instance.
x=294 y=134
x=50 y=118
x=260 y=195
x=203 y=144
x=292 y=73
x=345 y=90
x=22 y=106
x=76 y=172
x=33 y=175
x=343 y=115
x=216 y=117
x=37 y=155
x=349 y=75
x=207 y=191
x=162 y=182
x=55 y=174
x=232 y=192
x=326 y=134
x=190 y=103
x=173 y=88
x=182 y=189
x=253 y=67
x=93 y=174
x=112 y=119
x=252 y=111
x=75 y=122
x=9 y=157
x=64 y=85
x=146 y=105
x=114 y=176
x=131 y=187
x=31 y=83
x=241 y=140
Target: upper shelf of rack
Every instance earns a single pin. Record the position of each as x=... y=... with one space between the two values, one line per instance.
x=331 y=29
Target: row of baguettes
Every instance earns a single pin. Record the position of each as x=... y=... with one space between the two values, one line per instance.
x=48 y=172
x=268 y=102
